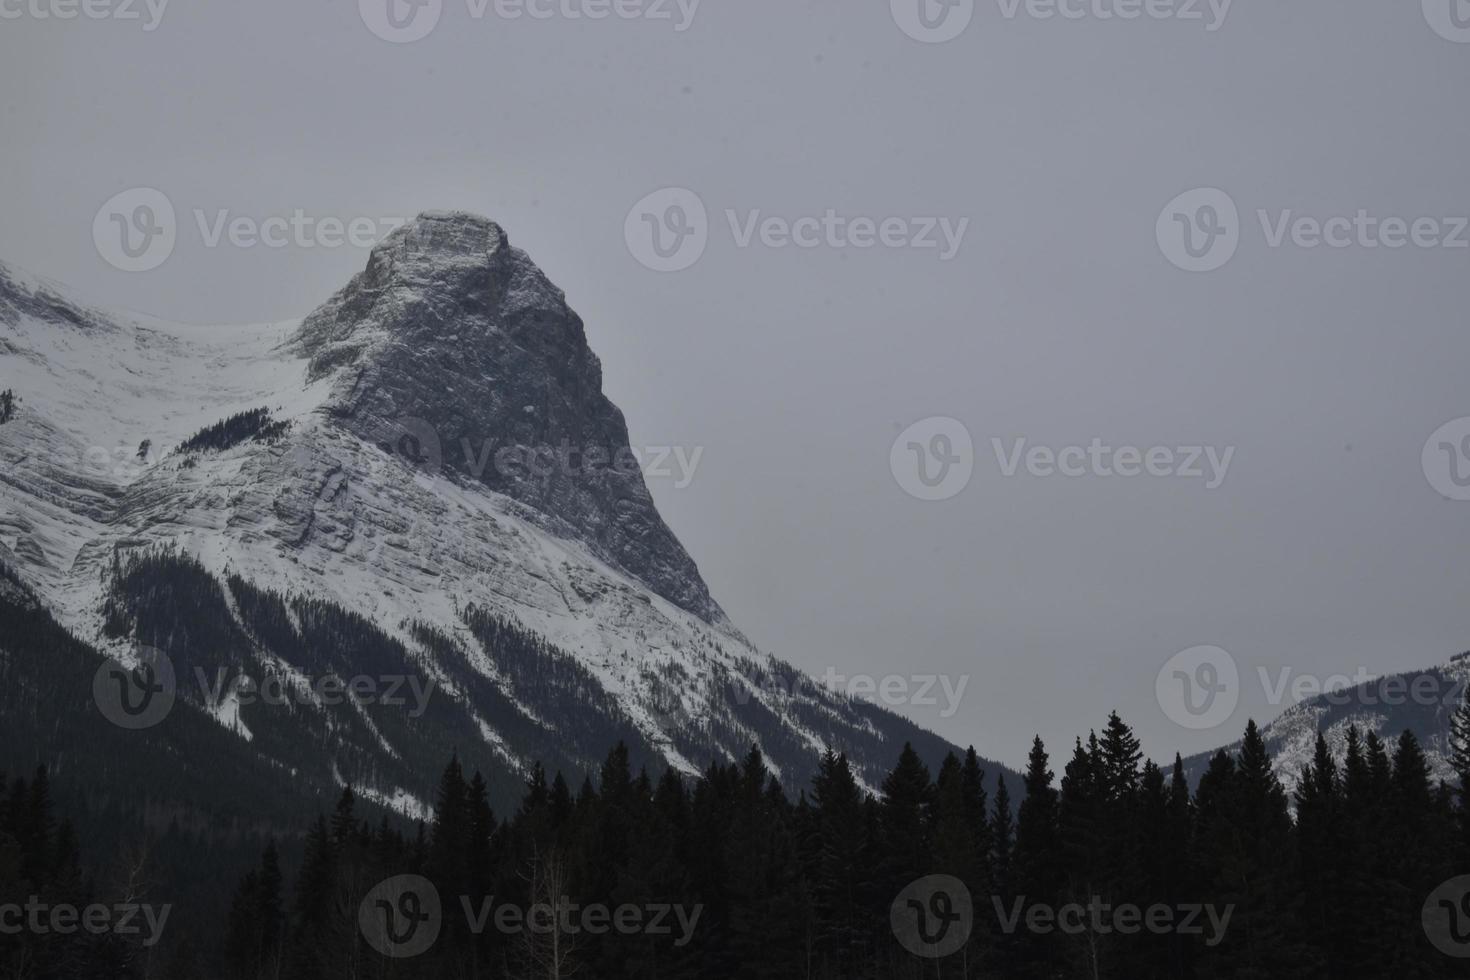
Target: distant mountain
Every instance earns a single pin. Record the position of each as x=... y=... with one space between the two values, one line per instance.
x=421 y=481
x=1421 y=701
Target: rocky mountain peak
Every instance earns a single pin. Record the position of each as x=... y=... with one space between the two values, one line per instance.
x=454 y=337
x=438 y=248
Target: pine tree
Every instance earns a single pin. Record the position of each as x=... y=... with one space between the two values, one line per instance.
x=1181 y=886
x=312 y=904
x=843 y=887
x=1417 y=841
x=904 y=819
x=253 y=940
x=1082 y=834
x=449 y=839
x=1322 y=843
x=1036 y=864
x=1247 y=860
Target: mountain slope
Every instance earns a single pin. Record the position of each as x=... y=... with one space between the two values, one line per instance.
x=358 y=494
x=1420 y=701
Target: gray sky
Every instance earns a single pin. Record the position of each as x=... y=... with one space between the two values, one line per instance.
x=1059 y=320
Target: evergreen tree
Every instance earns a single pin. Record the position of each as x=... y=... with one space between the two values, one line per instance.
x=843 y=887
x=1322 y=843
x=905 y=821
x=1036 y=864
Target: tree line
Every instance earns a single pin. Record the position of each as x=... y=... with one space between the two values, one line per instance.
x=1330 y=887
x=1329 y=882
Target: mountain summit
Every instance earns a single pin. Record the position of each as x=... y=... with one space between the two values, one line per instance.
x=452 y=326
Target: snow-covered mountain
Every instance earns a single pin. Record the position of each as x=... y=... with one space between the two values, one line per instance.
x=436 y=486
x=1421 y=701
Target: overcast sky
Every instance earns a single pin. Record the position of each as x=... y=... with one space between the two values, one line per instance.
x=1060 y=317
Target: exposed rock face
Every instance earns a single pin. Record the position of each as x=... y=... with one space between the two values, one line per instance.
x=454 y=340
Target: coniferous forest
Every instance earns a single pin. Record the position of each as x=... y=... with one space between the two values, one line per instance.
x=642 y=875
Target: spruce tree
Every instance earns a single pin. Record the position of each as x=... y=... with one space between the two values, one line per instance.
x=1036 y=865
x=843 y=887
